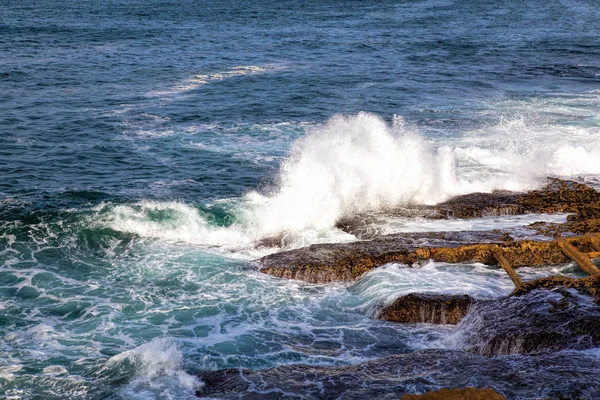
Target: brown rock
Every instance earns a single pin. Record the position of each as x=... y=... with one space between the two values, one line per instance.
x=323 y=263
x=428 y=308
x=559 y=196
x=469 y=393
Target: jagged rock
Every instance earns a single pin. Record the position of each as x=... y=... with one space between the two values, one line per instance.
x=536 y=322
x=428 y=308
x=476 y=205
x=560 y=196
x=568 y=376
x=584 y=226
x=557 y=196
x=321 y=263
x=469 y=393
x=588 y=286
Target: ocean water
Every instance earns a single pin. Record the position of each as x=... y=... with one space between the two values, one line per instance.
x=147 y=146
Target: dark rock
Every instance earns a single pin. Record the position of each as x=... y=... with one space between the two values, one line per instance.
x=557 y=196
x=588 y=286
x=321 y=263
x=366 y=225
x=540 y=321
x=561 y=375
x=428 y=308
x=476 y=205
x=469 y=393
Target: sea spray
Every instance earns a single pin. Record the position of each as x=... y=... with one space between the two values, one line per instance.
x=157 y=371
x=360 y=163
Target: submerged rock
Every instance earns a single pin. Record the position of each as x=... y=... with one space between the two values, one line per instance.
x=537 y=322
x=428 y=308
x=469 y=393
x=564 y=375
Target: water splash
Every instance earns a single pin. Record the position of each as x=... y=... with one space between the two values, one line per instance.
x=158 y=372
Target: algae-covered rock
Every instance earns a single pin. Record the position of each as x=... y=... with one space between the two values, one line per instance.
x=428 y=308
x=469 y=393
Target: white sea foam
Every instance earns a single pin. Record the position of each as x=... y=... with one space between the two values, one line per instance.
x=383 y=285
x=199 y=80
x=158 y=372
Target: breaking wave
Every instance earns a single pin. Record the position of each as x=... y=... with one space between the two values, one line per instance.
x=359 y=163
x=157 y=372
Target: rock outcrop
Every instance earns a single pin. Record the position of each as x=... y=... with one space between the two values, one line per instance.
x=568 y=376
x=540 y=321
x=428 y=308
x=587 y=286
x=323 y=263
x=476 y=205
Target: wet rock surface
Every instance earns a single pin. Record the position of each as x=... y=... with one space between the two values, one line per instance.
x=428 y=308
x=562 y=375
x=322 y=263
x=529 y=345
x=477 y=205
x=587 y=286
x=540 y=321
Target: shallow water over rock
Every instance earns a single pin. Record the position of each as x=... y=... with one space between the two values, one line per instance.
x=568 y=375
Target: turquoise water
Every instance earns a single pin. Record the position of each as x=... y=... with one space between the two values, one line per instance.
x=147 y=147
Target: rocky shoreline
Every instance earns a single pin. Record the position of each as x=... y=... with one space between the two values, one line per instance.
x=322 y=263
x=536 y=336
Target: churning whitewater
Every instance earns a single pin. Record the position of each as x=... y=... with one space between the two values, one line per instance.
x=151 y=152
x=359 y=163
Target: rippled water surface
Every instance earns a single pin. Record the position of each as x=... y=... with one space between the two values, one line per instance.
x=146 y=146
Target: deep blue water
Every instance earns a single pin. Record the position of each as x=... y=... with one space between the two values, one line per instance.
x=146 y=145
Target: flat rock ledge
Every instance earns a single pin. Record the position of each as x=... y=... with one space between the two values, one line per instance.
x=417 y=308
x=322 y=263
